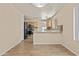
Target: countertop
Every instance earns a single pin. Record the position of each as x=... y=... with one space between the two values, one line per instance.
x=47 y=31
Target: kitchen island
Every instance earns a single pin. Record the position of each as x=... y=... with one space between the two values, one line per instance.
x=47 y=37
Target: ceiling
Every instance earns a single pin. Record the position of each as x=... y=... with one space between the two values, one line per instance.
x=31 y=11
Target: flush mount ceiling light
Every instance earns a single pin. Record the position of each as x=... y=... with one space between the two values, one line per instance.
x=39 y=5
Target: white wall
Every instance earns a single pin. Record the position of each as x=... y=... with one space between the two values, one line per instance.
x=10 y=20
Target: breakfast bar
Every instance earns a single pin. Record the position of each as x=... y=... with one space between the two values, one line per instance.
x=47 y=37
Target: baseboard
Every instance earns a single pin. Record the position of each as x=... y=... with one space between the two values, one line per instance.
x=69 y=49
x=10 y=47
x=44 y=43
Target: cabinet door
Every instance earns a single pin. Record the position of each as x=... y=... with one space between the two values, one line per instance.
x=49 y=24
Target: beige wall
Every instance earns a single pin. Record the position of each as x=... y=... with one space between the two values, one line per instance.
x=10 y=33
x=68 y=32
x=66 y=18
x=10 y=28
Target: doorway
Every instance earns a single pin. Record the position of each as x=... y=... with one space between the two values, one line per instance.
x=28 y=30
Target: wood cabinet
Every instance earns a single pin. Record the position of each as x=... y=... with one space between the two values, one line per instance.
x=49 y=24
x=35 y=23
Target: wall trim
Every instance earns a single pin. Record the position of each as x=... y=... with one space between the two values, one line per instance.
x=45 y=43
x=10 y=47
x=70 y=49
x=22 y=27
x=74 y=10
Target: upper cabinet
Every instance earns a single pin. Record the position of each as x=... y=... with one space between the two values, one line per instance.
x=35 y=23
x=49 y=24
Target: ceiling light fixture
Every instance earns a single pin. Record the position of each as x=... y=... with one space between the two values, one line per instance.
x=39 y=5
